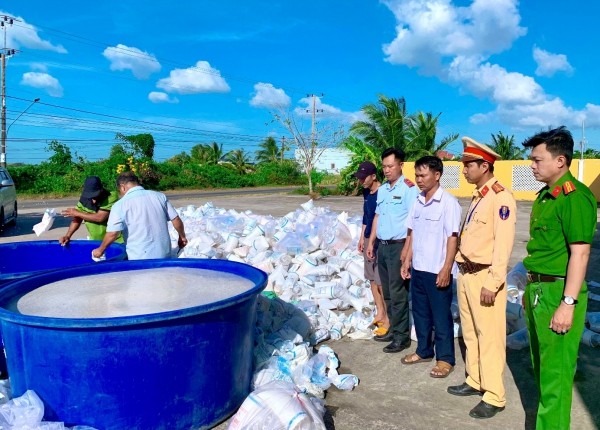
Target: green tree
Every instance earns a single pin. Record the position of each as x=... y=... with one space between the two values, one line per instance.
x=505 y=147
x=214 y=153
x=239 y=159
x=141 y=145
x=421 y=131
x=385 y=124
x=269 y=151
x=199 y=154
x=181 y=159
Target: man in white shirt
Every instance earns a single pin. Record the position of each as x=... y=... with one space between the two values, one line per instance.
x=142 y=216
x=432 y=240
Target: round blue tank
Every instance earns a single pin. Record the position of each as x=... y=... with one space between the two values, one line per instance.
x=182 y=369
x=21 y=259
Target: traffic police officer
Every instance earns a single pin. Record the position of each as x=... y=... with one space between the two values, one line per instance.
x=485 y=245
x=562 y=227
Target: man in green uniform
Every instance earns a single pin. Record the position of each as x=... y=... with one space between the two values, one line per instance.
x=93 y=208
x=562 y=226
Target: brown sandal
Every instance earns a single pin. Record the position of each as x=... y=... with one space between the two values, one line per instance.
x=441 y=369
x=414 y=359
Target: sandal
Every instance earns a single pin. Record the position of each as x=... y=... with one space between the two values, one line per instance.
x=414 y=359
x=441 y=369
x=380 y=331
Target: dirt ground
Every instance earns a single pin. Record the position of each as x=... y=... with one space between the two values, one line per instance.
x=391 y=395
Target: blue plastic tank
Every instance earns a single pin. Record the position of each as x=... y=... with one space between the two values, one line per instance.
x=182 y=369
x=21 y=259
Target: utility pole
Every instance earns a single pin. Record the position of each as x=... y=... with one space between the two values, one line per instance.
x=314 y=113
x=5 y=20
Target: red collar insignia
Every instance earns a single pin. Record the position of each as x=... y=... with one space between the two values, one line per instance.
x=409 y=182
x=484 y=191
x=556 y=191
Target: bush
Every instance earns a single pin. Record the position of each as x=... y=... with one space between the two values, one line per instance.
x=278 y=173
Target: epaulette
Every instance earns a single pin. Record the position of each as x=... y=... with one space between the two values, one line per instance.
x=497 y=187
x=556 y=191
x=484 y=191
x=409 y=182
x=568 y=187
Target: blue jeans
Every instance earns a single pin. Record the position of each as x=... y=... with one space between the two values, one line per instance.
x=431 y=310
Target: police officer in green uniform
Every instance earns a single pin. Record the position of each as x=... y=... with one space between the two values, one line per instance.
x=93 y=209
x=562 y=227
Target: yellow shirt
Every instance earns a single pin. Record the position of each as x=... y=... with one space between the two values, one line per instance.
x=488 y=231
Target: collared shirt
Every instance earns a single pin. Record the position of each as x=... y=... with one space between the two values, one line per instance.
x=565 y=214
x=393 y=204
x=142 y=215
x=96 y=231
x=369 y=206
x=432 y=223
x=488 y=231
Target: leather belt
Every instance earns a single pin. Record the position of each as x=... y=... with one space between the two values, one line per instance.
x=469 y=267
x=538 y=277
x=391 y=241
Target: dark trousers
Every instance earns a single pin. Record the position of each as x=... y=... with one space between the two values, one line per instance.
x=431 y=310
x=395 y=289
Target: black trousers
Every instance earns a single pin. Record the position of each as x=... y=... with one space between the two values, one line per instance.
x=395 y=289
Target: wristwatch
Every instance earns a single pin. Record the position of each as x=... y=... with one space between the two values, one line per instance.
x=569 y=300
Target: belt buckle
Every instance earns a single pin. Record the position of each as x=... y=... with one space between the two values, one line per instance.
x=533 y=277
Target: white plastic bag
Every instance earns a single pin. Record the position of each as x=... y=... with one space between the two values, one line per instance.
x=278 y=406
x=22 y=412
x=46 y=223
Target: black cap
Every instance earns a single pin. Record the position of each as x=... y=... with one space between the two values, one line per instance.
x=366 y=168
x=92 y=188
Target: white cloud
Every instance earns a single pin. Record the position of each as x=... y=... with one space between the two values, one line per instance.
x=141 y=63
x=455 y=44
x=26 y=35
x=201 y=78
x=160 y=97
x=548 y=63
x=43 y=81
x=40 y=67
x=267 y=96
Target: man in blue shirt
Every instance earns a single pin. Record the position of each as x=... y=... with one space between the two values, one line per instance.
x=367 y=176
x=142 y=216
x=395 y=197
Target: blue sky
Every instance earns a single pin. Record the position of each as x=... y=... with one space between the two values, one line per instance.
x=200 y=71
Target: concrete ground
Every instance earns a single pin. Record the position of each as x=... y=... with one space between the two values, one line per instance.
x=391 y=395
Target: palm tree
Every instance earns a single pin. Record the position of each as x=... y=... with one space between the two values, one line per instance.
x=269 y=151
x=385 y=124
x=214 y=152
x=199 y=154
x=239 y=159
x=421 y=130
x=505 y=147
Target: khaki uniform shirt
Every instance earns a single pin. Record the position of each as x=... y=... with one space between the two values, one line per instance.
x=488 y=231
x=560 y=216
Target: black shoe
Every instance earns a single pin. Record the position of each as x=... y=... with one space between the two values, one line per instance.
x=396 y=346
x=485 y=410
x=464 y=389
x=389 y=336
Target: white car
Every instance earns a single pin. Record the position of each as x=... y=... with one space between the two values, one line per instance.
x=8 y=199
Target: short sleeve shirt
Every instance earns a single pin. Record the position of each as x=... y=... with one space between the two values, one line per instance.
x=565 y=214
x=96 y=230
x=369 y=206
x=393 y=204
x=142 y=215
x=432 y=223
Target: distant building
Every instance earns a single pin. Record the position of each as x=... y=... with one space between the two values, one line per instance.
x=445 y=155
x=332 y=160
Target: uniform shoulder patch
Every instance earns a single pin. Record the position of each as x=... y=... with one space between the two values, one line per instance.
x=484 y=191
x=409 y=182
x=504 y=212
x=497 y=187
x=568 y=187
